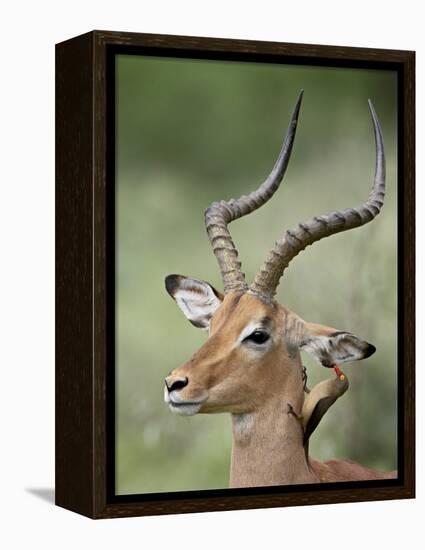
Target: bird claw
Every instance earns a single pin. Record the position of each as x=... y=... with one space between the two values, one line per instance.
x=293 y=413
x=306 y=389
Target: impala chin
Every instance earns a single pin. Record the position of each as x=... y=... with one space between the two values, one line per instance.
x=185 y=409
x=182 y=406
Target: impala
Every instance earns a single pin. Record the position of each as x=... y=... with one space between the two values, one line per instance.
x=250 y=365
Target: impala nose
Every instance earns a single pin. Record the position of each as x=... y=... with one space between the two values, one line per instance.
x=176 y=383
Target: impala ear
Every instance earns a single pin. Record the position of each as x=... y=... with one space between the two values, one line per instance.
x=197 y=299
x=332 y=347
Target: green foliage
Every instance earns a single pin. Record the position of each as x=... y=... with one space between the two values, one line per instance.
x=190 y=132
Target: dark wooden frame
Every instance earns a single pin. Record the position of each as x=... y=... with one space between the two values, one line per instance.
x=85 y=268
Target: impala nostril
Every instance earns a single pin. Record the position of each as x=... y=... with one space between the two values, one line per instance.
x=178 y=384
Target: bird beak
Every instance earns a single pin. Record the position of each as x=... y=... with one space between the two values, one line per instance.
x=338 y=372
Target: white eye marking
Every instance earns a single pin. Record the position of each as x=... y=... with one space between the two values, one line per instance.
x=249 y=329
x=255 y=336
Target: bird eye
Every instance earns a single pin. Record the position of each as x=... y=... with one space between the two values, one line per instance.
x=258 y=337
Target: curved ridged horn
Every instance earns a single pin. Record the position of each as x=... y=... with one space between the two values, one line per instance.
x=219 y=214
x=296 y=240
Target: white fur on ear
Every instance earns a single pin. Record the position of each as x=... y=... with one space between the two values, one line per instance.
x=336 y=348
x=197 y=299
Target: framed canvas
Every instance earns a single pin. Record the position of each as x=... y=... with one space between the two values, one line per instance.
x=171 y=207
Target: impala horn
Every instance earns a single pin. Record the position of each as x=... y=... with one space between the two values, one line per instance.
x=219 y=214
x=297 y=239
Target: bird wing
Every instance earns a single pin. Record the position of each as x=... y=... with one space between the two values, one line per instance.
x=316 y=416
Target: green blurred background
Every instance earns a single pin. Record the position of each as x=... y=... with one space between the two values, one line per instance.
x=191 y=132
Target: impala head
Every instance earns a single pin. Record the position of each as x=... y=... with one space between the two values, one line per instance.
x=252 y=352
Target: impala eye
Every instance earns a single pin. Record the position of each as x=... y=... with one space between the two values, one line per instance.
x=258 y=337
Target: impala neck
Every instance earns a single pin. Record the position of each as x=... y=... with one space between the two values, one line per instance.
x=267 y=444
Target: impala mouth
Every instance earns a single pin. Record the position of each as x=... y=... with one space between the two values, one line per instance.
x=181 y=406
x=185 y=409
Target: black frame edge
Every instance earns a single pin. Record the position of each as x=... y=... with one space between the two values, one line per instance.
x=74 y=381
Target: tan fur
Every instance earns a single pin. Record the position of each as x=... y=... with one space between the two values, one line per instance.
x=256 y=387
